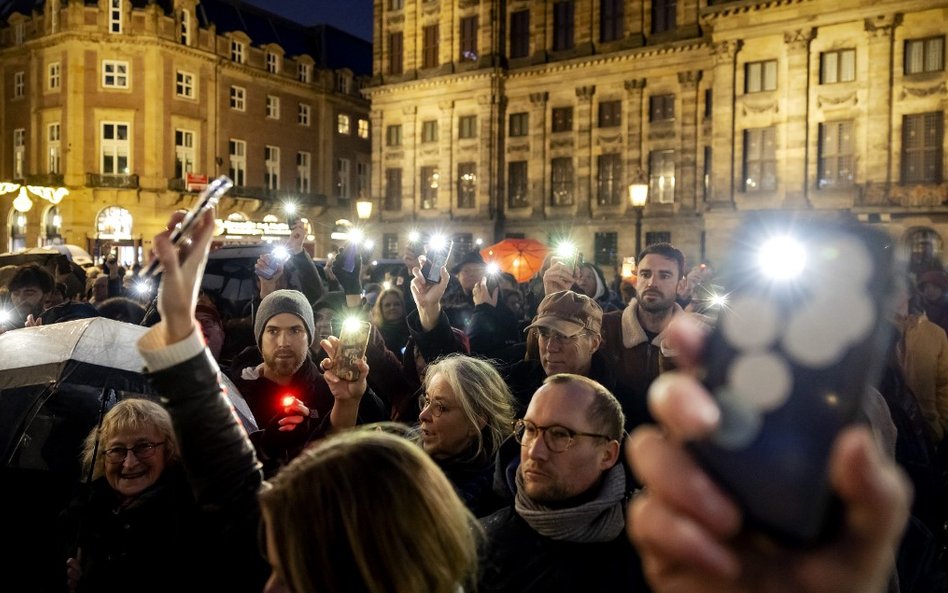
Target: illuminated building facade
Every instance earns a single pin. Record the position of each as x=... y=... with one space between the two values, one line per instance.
x=497 y=118
x=129 y=103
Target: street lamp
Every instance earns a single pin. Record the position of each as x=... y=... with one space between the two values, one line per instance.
x=364 y=209
x=638 y=195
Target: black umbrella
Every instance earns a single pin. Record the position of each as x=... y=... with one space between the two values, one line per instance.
x=55 y=382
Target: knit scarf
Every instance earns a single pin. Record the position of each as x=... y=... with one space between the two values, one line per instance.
x=599 y=520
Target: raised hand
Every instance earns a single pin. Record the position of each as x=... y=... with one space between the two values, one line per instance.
x=181 y=280
x=689 y=532
x=428 y=296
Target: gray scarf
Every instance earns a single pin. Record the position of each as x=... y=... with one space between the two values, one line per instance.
x=599 y=520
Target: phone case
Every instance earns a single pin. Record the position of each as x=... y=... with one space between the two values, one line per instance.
x=270 y=270
x=208 y=198
x=434 y=260
x=349 y=254
x=789 y=363
x=353 y=340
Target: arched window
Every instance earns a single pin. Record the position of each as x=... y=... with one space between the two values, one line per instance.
x=185 y=27
x=17 y=224
x=925 y=247
x=114 y=223
x=52 y=226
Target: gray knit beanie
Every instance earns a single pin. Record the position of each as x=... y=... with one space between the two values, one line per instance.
x=284 y=301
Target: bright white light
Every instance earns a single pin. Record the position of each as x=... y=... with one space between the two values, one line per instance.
x=375 y=262
x=289 y=207
x=142 y=287
x=4 y=316
x=386 y=285
x=718 y=301
x=437 y=242
x=368 y=244
x=566 y=249
x=478 y=241
x=280 y=253
x=492 y=268
x=414 y=236
x=782 y=258
x=351 y=324
x=356 y=236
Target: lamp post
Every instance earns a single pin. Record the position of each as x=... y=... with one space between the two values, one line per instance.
x=638 y=195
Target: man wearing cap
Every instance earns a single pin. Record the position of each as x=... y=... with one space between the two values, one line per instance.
x=284 y=330
x=933 y=289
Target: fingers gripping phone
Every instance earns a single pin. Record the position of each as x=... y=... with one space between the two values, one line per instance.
x=277 y=256
x=803 y=337
x=353 y=340
x=206 y=200
x=435 y=258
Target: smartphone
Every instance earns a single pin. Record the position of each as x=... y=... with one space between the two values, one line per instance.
x=353 y=340
x=493 y=281
x=278 y=255
x=349 y=254
x=206 y=200
x=802 y=339
x=434 y=260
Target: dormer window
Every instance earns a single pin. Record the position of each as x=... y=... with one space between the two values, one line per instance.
x=273 y=63
x=185 y=27
x=115 y=16
x=237 y=52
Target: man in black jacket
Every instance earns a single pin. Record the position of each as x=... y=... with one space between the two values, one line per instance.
x=566 y=529
x=286 y=392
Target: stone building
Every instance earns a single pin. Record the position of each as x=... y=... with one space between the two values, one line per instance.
x=120 y=100
x=497 y=118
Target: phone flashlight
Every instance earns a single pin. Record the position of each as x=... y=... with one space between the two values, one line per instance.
x=142 y=287
x=4 y=316
x=782 y=258
x=437 y=242
x=414 y=236
x=492 y=269
x=288 y=400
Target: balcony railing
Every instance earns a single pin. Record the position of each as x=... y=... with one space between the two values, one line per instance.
x=45 y=179
x=116 y=181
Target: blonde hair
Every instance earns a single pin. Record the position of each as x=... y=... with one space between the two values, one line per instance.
x=376 y=313
x=482 y=395
x=369 y=512
x=133 y=414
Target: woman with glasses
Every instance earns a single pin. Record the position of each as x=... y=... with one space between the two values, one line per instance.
x=466 y=411
x=137 y=526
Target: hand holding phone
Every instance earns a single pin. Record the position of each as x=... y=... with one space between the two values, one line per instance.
x=803 y=337
x=353 y=340
x=206 y=200
x=272 y=262
x=436 y=257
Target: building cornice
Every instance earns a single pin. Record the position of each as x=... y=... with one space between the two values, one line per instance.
x=612 y=58
x=437 y=82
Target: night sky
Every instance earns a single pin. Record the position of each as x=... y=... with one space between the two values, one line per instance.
x=353 y=16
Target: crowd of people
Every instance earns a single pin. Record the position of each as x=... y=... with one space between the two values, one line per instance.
x=483 y=442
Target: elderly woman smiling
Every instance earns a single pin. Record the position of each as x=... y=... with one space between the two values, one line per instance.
x=466 y=413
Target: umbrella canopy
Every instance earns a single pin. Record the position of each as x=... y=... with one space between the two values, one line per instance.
x=71 y=364
x=521 y=257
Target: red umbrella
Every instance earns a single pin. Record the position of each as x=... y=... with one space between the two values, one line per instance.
x=521 y=257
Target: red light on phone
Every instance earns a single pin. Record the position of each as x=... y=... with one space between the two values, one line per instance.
x=288 y=400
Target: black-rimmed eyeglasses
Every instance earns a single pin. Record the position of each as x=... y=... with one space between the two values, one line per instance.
x=141 y=451
x=557 y=438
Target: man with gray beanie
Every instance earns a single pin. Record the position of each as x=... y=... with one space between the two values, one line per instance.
x=286 y=392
